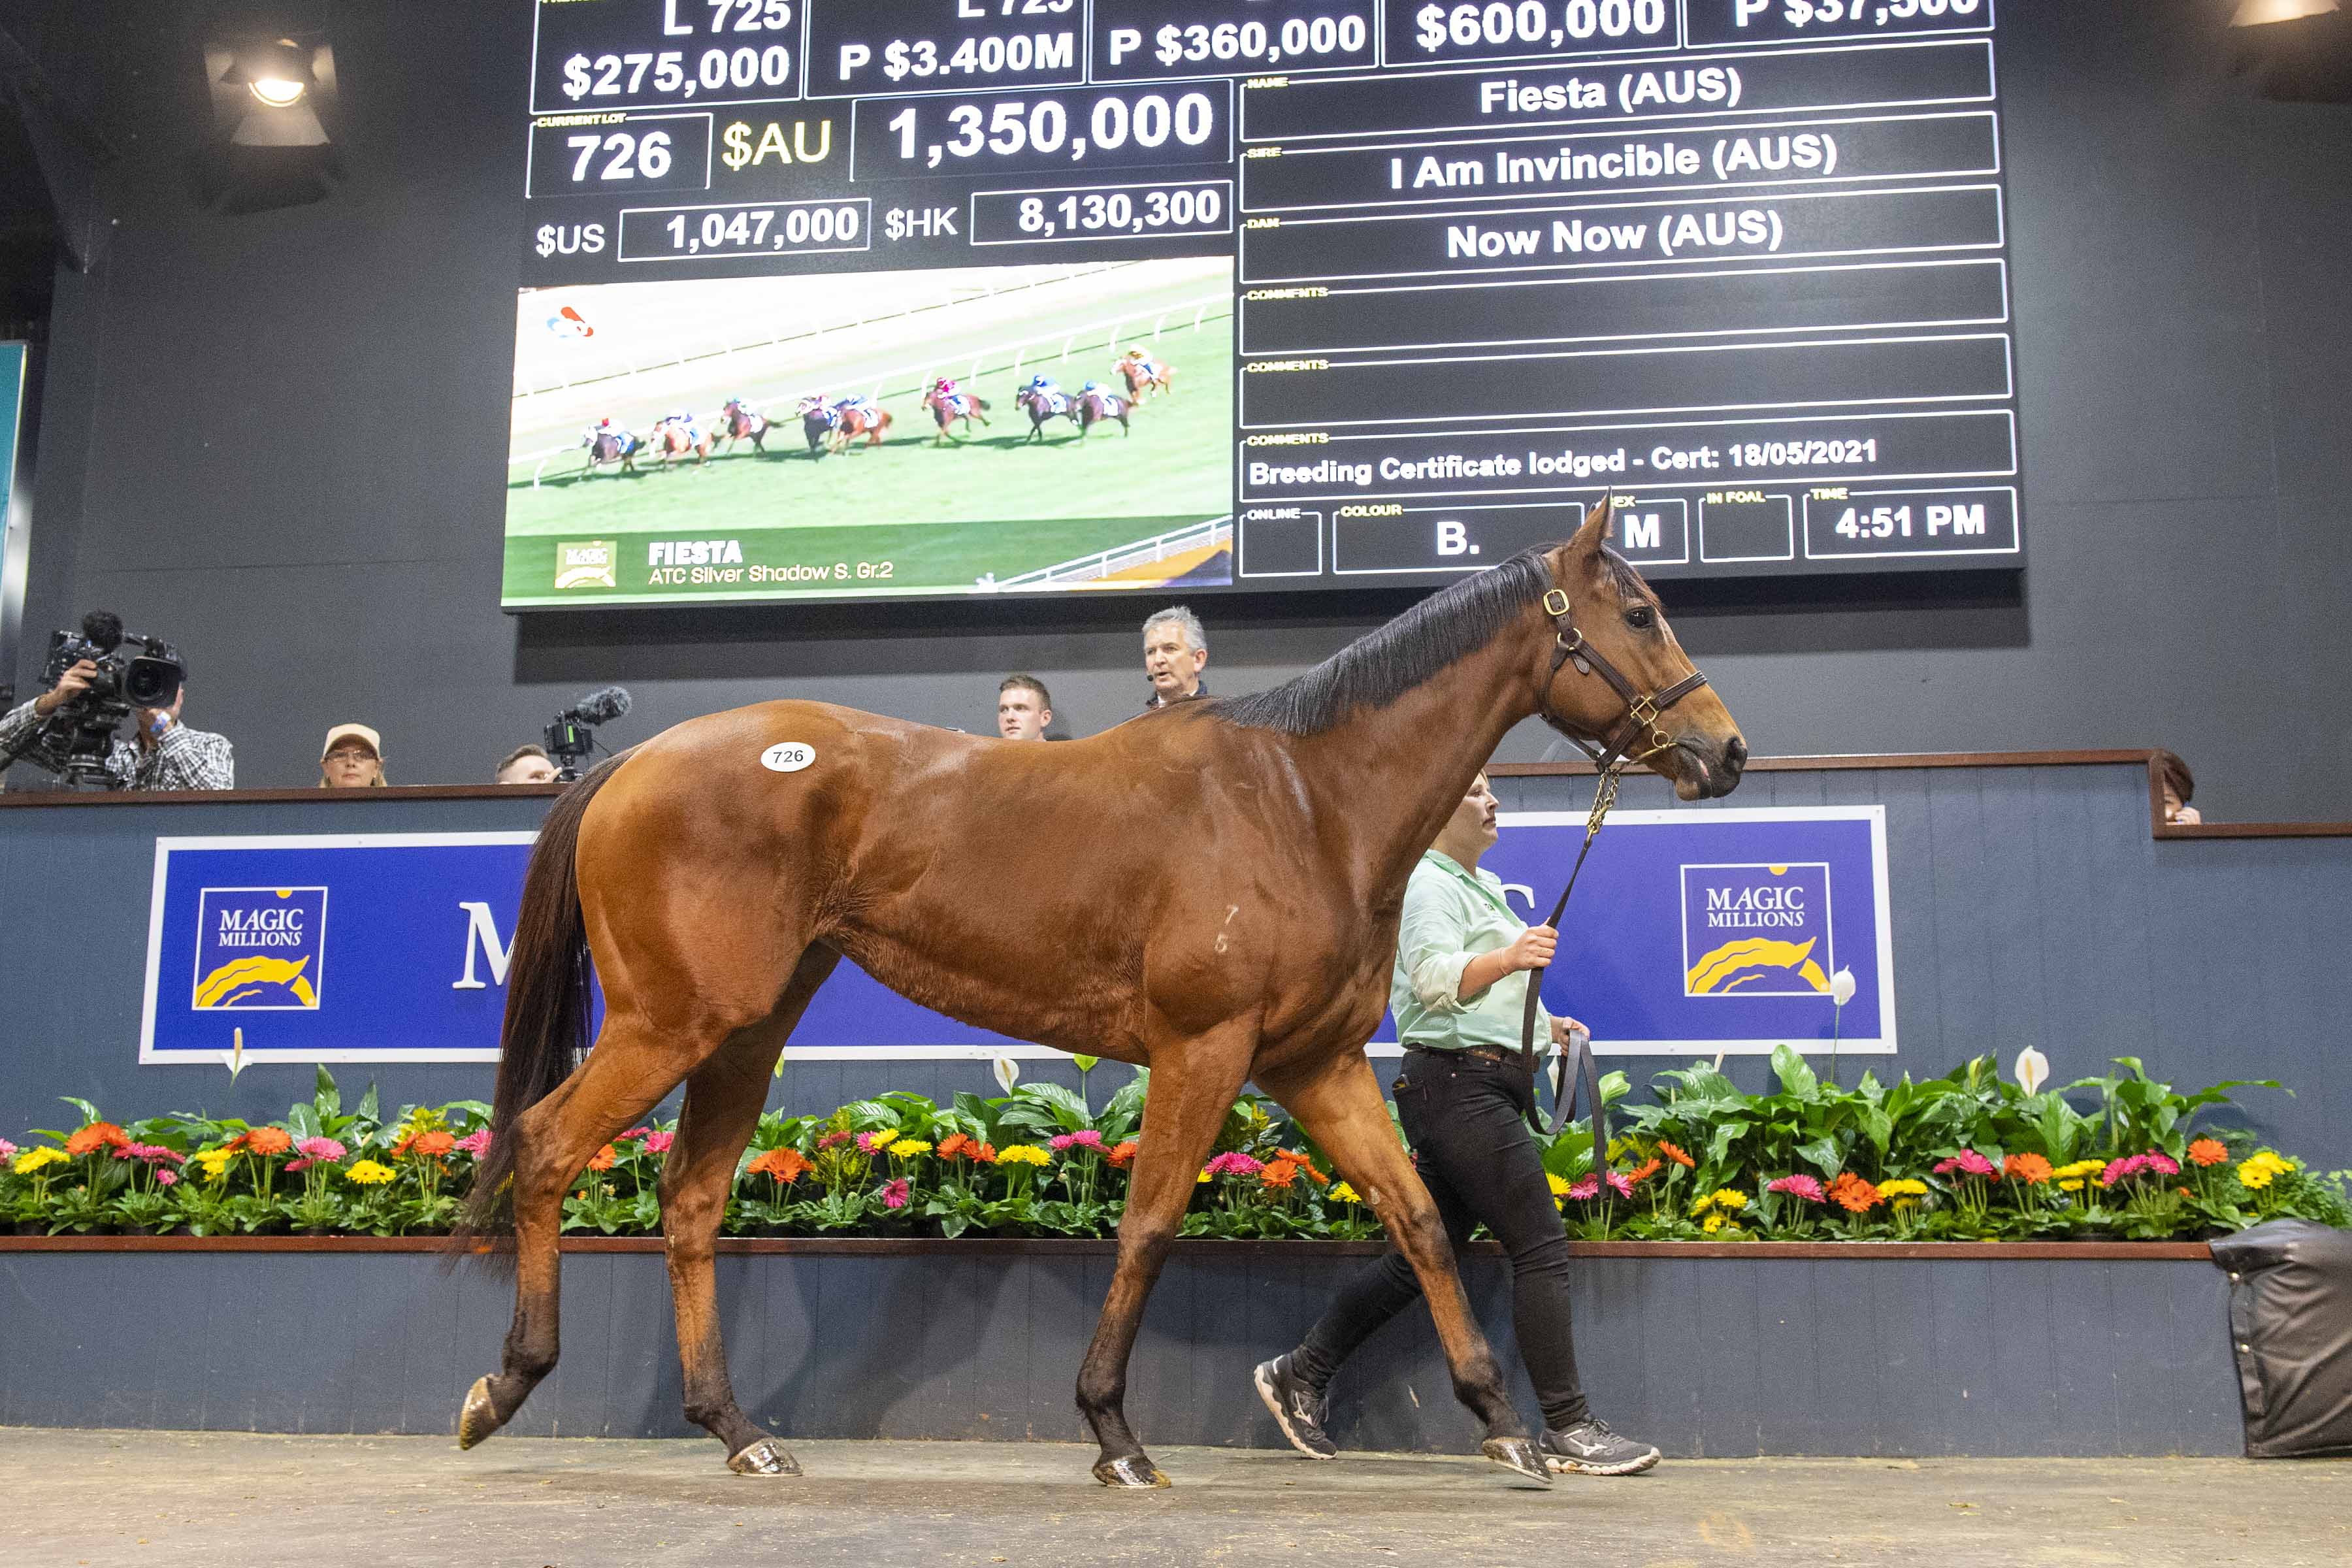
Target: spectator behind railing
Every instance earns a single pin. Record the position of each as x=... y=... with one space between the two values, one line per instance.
x=1175 y=651
x=527 y=764
x=1024 y=708
x=352 y=758
x=2179 y=785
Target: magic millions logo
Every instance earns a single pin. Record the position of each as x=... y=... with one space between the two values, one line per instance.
x=260 y=949
x=587 y=563
x=1756 y=931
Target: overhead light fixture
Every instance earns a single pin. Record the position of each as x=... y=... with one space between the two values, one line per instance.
x=274 y=107
x=2260 y=12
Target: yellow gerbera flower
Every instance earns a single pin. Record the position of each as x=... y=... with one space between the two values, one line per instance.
x=1340 y=1191
x=1558 y=1184
x=1022 y=1154
x=369 y=1173
x=908 y=1148
x=1729 y=1199
x=32 y=1160
x=1903 y=1187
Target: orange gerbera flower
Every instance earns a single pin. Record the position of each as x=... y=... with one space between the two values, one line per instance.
x=602 y=1160
x=97 y=1135
x=985 y=1153
x=1851 y=1193
x=1282 y=1173
x=430 y=1144
x=2031 y=1169
x=2208 y=1152
x=1123 y=1153
x=267 y=1141
x=1299 y=1158
x=1643 y=1171
x=786 y=1165
x=955 y=1146
x=1676 y=1155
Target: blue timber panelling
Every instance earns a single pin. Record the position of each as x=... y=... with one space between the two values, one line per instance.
x=1706 y=1357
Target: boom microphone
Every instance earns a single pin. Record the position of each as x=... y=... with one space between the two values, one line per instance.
x=105 y=629
x=603 y=707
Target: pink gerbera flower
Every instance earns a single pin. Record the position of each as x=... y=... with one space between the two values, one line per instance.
x=659 y=1143
x=635 y=1132
x=166 y=1178
x=2162 y=1164
x=1235 y=1164
x=2119 y=1170
x=1087 y=1138
x=476 y=1143
x=1967 y=1162
x=323 y=1148
x=1588 y=1188
x=294 y=1165
x=7 y=1151
x=894 y=1193
x=1799 y=1185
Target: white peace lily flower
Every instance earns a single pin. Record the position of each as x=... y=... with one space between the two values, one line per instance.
x=1841 y=987
x=2033 y=1071
x=1008 y=1072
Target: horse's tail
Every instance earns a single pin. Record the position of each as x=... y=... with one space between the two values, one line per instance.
x=547 y=1000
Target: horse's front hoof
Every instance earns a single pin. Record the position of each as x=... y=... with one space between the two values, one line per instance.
x=478 y=1417
x=764 y=1458
x=1518 y=1456
x=1137 y=1473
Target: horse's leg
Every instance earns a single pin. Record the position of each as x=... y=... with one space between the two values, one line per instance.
x=1193 y=1083
x=1339 y=1103
x=723 y=1099
x=633 y=1066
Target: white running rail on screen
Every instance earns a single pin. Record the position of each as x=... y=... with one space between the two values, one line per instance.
x=905 y=379
x=1086 y=569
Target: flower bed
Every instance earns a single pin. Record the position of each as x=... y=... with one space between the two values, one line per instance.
x=1965 y=1157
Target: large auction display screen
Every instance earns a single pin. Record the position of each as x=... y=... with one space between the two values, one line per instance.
x=935 y=298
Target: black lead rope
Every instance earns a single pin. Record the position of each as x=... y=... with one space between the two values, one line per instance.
x=1576 y=1063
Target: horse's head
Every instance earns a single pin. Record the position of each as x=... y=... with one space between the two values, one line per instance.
x=1614 y=676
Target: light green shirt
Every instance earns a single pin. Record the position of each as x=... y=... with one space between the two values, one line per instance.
x=1450 y=916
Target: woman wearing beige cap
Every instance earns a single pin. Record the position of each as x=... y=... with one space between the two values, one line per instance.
x=352 y=758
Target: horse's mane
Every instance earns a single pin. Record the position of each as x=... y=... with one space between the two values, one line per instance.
x=1375 y=670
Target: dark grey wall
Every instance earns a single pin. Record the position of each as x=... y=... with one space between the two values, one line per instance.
x=278 y=439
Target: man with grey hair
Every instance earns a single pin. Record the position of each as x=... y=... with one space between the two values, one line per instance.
x=1175 y=649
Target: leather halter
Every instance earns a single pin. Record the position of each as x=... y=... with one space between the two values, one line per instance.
x=1641 y=725
x=1576 y=1068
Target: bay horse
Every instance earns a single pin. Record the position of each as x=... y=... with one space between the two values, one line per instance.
x=949 y=407
x=855 y=417
x=609 y=446
x=819 y=419
x=670 y=439
x=1140 y=382
x=1040 y=407
x=740 y=423
x=1225 y=909
x=1097 y=405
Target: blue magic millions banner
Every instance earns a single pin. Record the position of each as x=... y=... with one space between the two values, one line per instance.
x=1693 y=932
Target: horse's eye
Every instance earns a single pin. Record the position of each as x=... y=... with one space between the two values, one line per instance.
x=1641 y=617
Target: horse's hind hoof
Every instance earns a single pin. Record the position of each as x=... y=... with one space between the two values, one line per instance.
x=1137 y=1473
x=1518 y=1456
x=478 y=1417
x=764 y=1458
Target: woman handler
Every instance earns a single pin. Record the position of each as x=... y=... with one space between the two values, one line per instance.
x=1458 y=993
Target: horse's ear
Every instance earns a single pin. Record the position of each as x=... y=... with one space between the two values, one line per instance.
x=1600 y=523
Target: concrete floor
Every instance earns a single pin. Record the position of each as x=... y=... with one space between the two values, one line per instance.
x=103 y=1499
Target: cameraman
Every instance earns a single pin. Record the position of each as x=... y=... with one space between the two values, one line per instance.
x=166 y=756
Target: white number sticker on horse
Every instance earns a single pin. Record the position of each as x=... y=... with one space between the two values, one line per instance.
x=788 y=756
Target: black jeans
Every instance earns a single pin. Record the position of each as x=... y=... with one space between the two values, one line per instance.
x=1475 y=1156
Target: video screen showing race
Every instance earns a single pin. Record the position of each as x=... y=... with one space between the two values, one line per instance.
x=974 y=430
